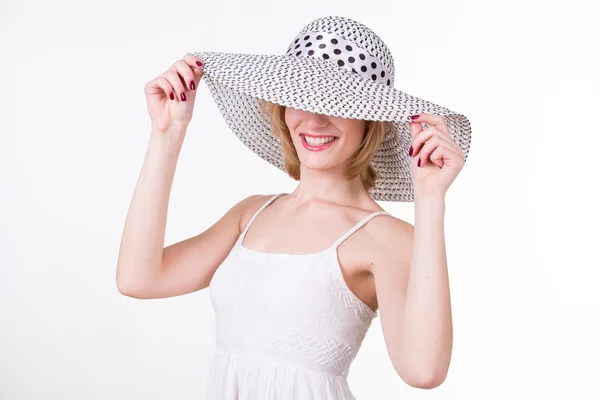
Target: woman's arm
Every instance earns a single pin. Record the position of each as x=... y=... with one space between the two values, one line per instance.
x=141 y=248
x=411 y=278
x=145 y=268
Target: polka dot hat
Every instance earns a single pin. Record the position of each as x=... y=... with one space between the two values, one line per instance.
x=335 y=66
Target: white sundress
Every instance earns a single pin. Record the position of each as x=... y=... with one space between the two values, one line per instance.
x=288 y=326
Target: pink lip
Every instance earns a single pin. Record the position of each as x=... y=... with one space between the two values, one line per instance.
x=316 y=148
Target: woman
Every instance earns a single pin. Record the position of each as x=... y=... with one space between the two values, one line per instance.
x=296 y=279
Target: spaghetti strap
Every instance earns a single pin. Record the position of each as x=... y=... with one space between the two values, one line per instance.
x=358 y=225
x=241 y=238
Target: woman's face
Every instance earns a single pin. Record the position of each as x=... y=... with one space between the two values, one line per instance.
x=321 y=141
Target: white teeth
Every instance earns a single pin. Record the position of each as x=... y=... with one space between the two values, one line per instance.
x=318 y=141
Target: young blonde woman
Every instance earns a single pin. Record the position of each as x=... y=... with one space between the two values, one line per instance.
x=297 y=278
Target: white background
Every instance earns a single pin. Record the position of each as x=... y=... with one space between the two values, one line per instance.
x=522 y=220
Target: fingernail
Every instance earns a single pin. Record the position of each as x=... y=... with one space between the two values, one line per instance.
x=413 y=117
x=410 y=151
x=419 y=162
x=183 y=96
x=192 y=85
x=171 y=96
x=198 y=63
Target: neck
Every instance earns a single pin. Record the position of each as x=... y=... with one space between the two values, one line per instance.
x=330 y=186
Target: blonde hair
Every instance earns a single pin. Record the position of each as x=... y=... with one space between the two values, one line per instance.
x=360 y=162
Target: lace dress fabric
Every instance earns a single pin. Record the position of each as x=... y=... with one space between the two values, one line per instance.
x=288 y=327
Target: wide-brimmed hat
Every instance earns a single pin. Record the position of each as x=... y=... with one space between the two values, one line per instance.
x=335 y=66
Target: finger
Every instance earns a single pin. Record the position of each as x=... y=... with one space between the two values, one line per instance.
x=195 y=62
x=419 y=137
x=426 y=135
x=428 y=148
x=433 y=120
x=176 y=81
x=197 y=66
x=164 y=84
x=415 y=127
x=440 y=155
x=452 y=150
x=187 y=75
x=441 y=136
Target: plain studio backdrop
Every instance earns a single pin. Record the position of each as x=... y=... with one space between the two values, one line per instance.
x=522 y=223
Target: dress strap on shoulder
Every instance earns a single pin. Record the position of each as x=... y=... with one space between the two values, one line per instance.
x=257 y=212
x=358 y=225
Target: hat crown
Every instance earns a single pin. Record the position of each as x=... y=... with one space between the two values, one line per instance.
x=347 y=43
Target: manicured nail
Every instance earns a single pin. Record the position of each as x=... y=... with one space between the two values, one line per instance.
x=183 y=96
x=171 y=96
x=419 y=162
x=410 y=151
x=192 y=85
x=413 y=117
x=198 y=63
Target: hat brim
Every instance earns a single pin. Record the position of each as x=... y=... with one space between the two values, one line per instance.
x=238 y=81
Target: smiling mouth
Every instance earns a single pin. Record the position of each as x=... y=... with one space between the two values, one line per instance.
x=317 y=143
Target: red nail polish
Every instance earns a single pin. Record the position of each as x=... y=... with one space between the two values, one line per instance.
x=183 y=96
x=419 y=162
x=410 y=151
x=192 y=85
x=413 y=117
x=171 y=96
x=198 y=63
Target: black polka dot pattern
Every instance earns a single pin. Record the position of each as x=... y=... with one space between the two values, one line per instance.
x=343 y=53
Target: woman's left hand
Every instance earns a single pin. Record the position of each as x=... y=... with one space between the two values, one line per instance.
x=441 y=158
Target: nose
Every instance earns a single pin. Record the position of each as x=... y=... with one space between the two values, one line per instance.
x=317 y=121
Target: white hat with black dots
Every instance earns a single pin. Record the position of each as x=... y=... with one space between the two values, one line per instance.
x=335 y=66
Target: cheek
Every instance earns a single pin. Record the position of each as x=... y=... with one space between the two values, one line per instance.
x=356 y=136
x=291 y=119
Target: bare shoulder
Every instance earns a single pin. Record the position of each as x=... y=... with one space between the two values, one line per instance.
x=390 y=240
x=250 y=205
x=389 y=229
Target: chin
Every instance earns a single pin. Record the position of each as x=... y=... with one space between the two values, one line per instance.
x=316 y=165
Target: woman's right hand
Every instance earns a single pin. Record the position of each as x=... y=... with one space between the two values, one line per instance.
x=171 y=96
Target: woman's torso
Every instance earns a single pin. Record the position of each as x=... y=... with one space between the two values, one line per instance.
x=298 y=232
x=288 y=324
